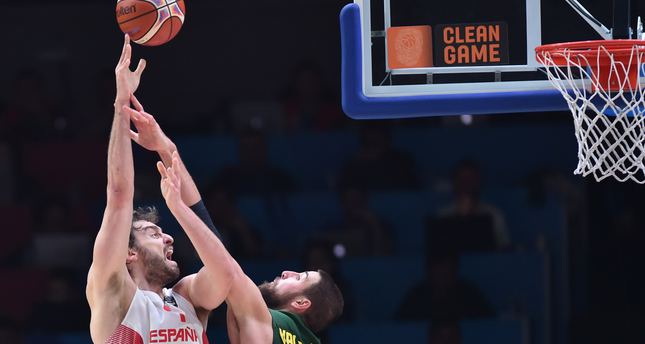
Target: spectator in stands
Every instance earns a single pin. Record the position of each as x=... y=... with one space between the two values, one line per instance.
x=238 y=236
x=360 y=230
x=63 y=296
x=309 y=103
x=254 y=174
x=321 y=255
x=377 y=165
x=442 y=295
x=468 y=223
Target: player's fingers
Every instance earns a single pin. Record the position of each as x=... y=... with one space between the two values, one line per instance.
x=139 y=118
x=162 y=169
x=173 y=176
x=176 y=163
x=125 y=43
x=149 y=117
x=134 y=136
x=137 y=104
x=170 y=172
x=134 y=115
x=140 y=67
x=128 y=55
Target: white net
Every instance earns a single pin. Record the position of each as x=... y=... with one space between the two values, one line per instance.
x=605 y=92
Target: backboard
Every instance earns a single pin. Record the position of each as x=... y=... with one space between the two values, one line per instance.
x=412 y=58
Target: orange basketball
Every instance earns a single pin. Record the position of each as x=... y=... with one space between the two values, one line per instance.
x=150 y=22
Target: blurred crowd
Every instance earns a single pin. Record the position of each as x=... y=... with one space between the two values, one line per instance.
x=52 y=180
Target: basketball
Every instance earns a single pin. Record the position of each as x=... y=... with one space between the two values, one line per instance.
x=150 y=22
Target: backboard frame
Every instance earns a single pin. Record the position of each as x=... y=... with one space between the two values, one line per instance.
x=361 y=99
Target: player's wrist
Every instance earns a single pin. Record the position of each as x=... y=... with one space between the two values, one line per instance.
x=176 y=205
x=119 y=102
x=166 y=150
x=169 y=146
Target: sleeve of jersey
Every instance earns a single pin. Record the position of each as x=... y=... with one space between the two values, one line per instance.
x=200 y=210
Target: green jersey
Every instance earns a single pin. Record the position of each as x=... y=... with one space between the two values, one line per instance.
x=288 y=328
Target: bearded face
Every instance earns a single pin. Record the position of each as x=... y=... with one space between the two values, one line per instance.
x=271 y=296
x=153 y=254
x=159 y=270
x=288 y=286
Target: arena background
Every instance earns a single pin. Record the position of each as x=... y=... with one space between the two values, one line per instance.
x=250 y=93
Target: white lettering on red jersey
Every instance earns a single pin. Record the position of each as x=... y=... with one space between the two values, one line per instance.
x=151 y=320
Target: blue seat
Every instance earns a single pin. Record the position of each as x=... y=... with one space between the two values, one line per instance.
x=528 y=223
x=204 y=156
x=416 y=332
x=314 y=159
x=506 y=154
x=310 y=212
x=405 y=212
x=381 y=283
x=541 y=227
x=494 y=331
x=513 y=283
x=256 y=211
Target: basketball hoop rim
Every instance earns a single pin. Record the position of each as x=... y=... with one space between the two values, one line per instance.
x=591 y=49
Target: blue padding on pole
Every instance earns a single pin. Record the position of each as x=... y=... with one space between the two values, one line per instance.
x=359 y=106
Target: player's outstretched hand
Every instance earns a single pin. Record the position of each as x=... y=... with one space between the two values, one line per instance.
x=170 y=182
x=127 y=81
x=149 y=134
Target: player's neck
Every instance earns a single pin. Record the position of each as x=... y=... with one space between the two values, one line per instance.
x=144 y=284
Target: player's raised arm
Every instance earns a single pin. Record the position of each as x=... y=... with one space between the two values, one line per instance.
x=150 y=136
x=208 y=288
x=111 y=245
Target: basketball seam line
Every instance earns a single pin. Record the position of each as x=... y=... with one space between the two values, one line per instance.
x=170 y=19
x=156 y=9
x=167 y=5
x=143 y=14
x=139 y=16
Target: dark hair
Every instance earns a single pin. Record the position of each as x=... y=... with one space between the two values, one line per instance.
x=149 y=214
x=326 y=303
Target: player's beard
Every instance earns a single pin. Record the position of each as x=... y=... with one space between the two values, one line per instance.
x=271 y=297
x=159 y=271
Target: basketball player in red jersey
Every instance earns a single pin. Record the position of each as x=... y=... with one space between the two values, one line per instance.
x=132 y=258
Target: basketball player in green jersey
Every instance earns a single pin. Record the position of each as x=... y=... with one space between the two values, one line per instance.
x=291 y=309
x=288 y=310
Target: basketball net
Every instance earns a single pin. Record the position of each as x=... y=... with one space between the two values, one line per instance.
x=603 y=84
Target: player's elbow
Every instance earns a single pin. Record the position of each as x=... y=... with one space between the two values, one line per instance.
x=219 y=287
x=228 y=277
